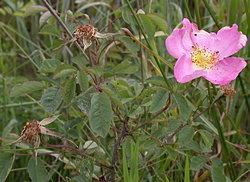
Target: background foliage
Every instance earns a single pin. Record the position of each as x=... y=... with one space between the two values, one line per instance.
x=119 y=105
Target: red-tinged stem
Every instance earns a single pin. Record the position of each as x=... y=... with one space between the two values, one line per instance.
x=82 y=154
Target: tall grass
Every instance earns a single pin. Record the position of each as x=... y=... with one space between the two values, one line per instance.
x=160 y=130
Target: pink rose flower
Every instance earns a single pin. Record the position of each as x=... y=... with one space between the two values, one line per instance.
x=203 y=54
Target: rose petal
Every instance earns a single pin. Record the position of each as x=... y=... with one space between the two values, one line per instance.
x=226 y=70
x=180 y=42
x=183 y=39
x=229 y=41
x=203 y=39
x=185 y=71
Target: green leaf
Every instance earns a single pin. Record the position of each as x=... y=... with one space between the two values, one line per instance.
x=26 y=88
x=191 y=145
x=34 y=9
x=64 y=70
x=157 y=81
x=147 y=92
x=44 y=18
x=185 y=135
x=69 y=90
x=209 y=124
x=80 y=61
x=135 y=161
x=207 y=138
x=37 y=171
x=159 y=21
x=92 y=4
x=49 y=65
x=7 y=128
x=81 y=178
x=217 y=175
x=83 y=101
x=96 y=70
x=130 y=45
x=146 y=102
x=114 y=97
x=172 y=126
x=138 y=87
x=49 y=29
x=135 y=111
x=51 y=99
x=172 y=154
x=216 y=162
x=125 y=15
x=57 y=44
x=197 y=162
x=100 y=114
x=6 y=162
x=159 y=101
x=183 y=106
x=125 y=67
x=148 y=26
x=124 y=165
x=83 y=80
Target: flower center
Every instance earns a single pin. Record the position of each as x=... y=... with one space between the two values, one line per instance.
x=204 y=58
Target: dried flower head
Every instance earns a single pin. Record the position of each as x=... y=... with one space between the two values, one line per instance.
x=85 y=34
x=227 y=90
x=30 y=133
x=32 y=130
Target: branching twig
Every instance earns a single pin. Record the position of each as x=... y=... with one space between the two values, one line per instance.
x=206 y=109
x=202 y=112
x=174 y=133
x=153 y=117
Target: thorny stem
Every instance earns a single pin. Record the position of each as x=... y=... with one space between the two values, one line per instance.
x=123 y=134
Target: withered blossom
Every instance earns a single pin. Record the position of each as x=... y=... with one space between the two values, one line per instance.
x=227 y=90
x=32 y=130
x=85 y=34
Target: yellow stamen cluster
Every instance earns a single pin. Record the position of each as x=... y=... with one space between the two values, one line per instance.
x=204 y=58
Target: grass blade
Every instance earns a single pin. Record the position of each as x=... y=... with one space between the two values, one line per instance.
x=187 y=171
